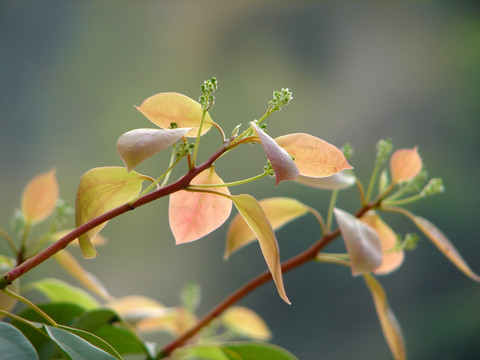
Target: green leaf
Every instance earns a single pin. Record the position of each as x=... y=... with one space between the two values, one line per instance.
x=362 y=242
x=74 y=347
x=100 y=190
x=282 y=162
x=390 y=327
x=192 y=215
x=166 y=108
x=246 y=323
x=138 y=145
x=256 y=219
x=59 y=291
x=106 y=324
x=279 y=211
x=14 y=345
x=233 y=351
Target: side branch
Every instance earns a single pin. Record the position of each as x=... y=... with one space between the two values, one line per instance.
x=180 y=184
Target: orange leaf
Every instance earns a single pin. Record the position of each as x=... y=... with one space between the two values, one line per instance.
x=392 y=260
x=390 y=327
x=314 y=157
x=256 y=219
x=193 y=215
x=100 y=190
x=39 y=197
x=405 y=164
x=362 y=242
x=138 y=145
x=279 y=211
x=282 y=163
x=246 y=322
x=166 y=108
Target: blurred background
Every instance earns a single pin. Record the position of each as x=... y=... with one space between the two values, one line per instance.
x=71 y=71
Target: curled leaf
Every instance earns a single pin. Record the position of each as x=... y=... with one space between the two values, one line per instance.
x=192 y=215
x=100 y=190
x=405 y=164
x=282 y=162
x=338 y=181
x=40 y=197
x=390 y=327
x=138 y=145
x=256 y=219
x=246 y=322
x=313 y=156
x=279 y=211
x=439 y=239
x=362 y=242
x=392 y=260
x=166 y=108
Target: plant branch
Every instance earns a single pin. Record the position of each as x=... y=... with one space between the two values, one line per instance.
x=294 y=262
x=180 y=184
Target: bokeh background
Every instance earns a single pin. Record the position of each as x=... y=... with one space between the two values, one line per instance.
x=71 y=71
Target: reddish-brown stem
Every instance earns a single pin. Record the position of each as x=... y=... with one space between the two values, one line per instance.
x=258 y=281
x=180 y=184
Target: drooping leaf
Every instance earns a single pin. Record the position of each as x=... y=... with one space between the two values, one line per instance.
x=314 y=157
x=256 y=219
x=14 y=345
x=282 y=162
x=245 y=322
x=392 y=260
x=279 y=211
x=405 y=164
x=192 y=215
x=138 y=145
x=135 y=308
x=93 y=340
x=100 y=190
x=74 y=347
x=440 y=240
x=232 y=351
x=338 y=181
x=390 y=326
x=69 y=263
x=362 y=242
x=59 y=291
x=97 y=240
x=40 y=197
x=166 y=108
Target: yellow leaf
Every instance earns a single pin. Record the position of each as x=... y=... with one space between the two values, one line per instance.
x=69 y=263
x=392 y=260
x=405 y=164
x=279 y=211
x=100 y=190
x=390 y=327
x=192 y=215
x=40 y=197
x=166 y=108
x=246 y=322
x=256 y=219
x=314 y=157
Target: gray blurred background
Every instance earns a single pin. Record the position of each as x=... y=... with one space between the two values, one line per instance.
x=71 y=71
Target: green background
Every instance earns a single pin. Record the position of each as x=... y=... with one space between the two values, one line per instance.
x=71 y=71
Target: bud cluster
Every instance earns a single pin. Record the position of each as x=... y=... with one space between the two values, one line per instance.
x=280 y=99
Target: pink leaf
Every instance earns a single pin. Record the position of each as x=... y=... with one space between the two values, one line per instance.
x=195 y=214
x=338 y=181
x=282 y=163
x=138 y=145
x=392 y=260
x=166 y=108
x=362 y=242
x=314 y=157
x=405 y=164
